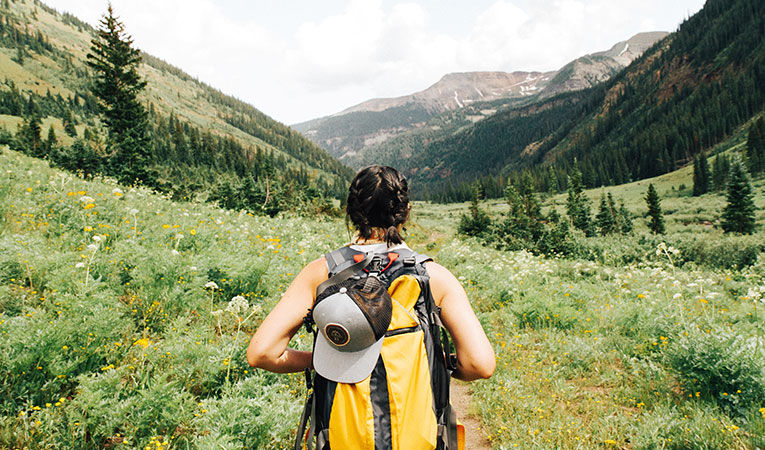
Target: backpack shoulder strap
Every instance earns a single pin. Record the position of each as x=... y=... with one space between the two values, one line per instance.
x=338 y=259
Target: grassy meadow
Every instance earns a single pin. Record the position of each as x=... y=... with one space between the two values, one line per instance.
x=124 y=318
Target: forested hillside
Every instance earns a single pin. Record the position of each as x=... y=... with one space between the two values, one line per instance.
x=677 y=100
x=202 y=142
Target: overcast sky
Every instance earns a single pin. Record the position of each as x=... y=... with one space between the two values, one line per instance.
x=300 y=59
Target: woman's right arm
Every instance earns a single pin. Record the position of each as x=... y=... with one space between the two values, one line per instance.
x=268 y=347
x=475 y=355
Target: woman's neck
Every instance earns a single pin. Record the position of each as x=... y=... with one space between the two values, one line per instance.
x=377 y=237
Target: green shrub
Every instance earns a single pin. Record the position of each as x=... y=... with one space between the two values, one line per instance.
x=729 y=252
x=694 y=425
x=721 y=367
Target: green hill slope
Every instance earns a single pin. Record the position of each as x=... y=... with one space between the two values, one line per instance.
x=108 y=334
x=199 y=134
x=680 y=98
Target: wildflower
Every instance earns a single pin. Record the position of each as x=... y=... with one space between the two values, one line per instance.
x=676 y=296
x=762 y=411
x=87 y=200
x=118 y=192
x=610 y=442
x=175 y=252
x=92 y=247
x=144 y=342
x=79 y=265
x=211 y=285
x=98 y=238
x=133 y=211
x=237 y=305
x=217 y=313
x=179 y=236
x=193 y=268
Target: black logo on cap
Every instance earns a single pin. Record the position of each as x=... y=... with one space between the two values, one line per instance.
x=337 y=334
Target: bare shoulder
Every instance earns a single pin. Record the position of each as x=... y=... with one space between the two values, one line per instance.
x=443 y=283
x=315 y=272
x=439 y=273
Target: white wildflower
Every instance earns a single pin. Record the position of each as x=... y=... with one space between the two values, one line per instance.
x=211 y=285
x=133 y=211
x=93 y=247
x=678 y=295
x=80 y=265
x=179 y=236
x=98 y=237
x=86 y=199
x=117 y=191
x=237 y=305
x=193 y=268
x=175 y=252
x=217 y=313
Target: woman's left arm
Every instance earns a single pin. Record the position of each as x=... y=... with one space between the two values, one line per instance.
x=268 y=347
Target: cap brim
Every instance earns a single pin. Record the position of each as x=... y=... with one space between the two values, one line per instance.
x=344 y=367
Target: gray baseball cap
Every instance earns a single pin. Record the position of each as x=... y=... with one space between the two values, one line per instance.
x=351 y=327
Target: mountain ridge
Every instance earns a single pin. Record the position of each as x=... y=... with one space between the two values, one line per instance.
x=677 y=100
x=357 y=128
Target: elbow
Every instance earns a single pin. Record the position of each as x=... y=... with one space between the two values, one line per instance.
x=475 y=371
x=486 y=370
x=482 y=368
x=256 y=357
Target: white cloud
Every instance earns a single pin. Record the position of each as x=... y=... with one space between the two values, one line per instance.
x=370 y=48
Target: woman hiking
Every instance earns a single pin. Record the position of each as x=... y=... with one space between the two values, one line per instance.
x=382 y=363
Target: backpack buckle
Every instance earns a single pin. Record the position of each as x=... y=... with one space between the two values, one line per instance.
x=375 y=266
x=410 y=261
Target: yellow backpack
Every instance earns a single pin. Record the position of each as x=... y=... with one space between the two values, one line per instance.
x=404 y=403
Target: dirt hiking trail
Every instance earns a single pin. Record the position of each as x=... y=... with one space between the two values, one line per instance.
x=474 y=436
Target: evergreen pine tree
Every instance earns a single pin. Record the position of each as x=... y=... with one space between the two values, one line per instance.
x=51 y=141
x=700 y=175
x=69 y=128
x=117 y=85
x=605 y=217
x=29 y=136
x=523 y=223
x=656 y=217
x=755 y=146
x=739 y=214
x=478 y=221
x=577 y=204
x=720 y=169
x=625 y=219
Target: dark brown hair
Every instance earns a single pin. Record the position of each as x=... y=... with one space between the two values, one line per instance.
x=378 y=198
